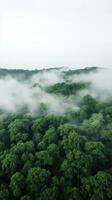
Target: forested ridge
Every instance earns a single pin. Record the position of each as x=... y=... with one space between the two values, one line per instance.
x=51 y=156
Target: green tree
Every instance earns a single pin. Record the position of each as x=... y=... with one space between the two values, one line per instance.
x=37 y=179
x=98 y=152
x=10 y=163
x=17 y=184
x=98 y=187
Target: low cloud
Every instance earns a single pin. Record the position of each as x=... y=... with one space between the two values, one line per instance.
x=14 y=95
x=100 y=83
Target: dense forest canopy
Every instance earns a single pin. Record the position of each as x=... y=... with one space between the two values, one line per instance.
x=62 y=150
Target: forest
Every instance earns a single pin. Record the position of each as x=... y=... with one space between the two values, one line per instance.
x=62 y=150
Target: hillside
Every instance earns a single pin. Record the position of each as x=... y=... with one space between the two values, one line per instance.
x=55 y=135
x=26 y=74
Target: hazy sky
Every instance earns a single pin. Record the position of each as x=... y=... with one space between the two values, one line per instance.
x=52 y=33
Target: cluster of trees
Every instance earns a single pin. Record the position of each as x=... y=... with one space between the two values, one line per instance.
x=67 y=88
x=22 y=75
x=85 y=70
x=50 y=157
x=19 y=74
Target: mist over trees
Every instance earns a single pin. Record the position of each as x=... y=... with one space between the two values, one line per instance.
x=62 y=150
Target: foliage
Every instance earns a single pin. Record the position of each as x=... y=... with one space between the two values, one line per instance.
x=54 y=157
